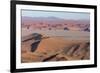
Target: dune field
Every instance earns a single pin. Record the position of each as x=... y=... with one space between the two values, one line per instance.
x=55 y=46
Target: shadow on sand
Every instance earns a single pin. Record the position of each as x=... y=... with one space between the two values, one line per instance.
x=34 y=46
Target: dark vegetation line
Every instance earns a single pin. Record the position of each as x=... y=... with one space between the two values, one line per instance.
x=47 y=59
x=28 y=39
x=76 y=47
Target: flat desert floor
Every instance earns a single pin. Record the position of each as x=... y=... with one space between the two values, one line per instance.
x=56 y=46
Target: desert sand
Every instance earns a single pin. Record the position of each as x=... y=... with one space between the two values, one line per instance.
x=56 y=49
x=54 y=39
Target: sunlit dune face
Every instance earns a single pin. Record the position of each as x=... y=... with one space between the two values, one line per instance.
x=53 y=44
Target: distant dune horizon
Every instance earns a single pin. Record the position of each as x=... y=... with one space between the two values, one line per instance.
x=55 y=22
